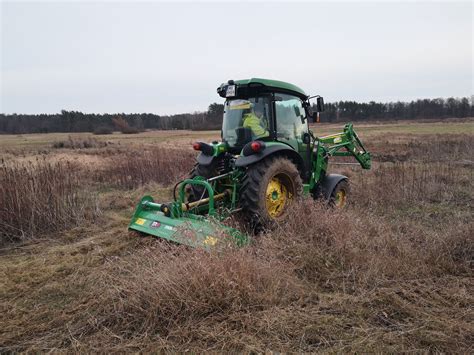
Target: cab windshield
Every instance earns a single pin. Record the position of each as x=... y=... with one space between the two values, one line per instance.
x=246 y=120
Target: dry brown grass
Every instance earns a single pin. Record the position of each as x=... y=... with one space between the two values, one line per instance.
x=136 y=167
x=355 y=285
x=312 y=284
x=408 y=184
x=392 y=273
x=41 y=198
x=453 y=148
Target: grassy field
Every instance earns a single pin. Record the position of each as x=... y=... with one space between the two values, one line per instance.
x=44 y=141
x=391 y=273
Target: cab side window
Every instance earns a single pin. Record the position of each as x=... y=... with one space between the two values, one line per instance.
x=289 y=114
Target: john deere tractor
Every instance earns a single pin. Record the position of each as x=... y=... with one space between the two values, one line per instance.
x=267 y=158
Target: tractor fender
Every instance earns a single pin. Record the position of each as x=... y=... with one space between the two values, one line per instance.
x=243 y=161
x=329 y=183
x=205 y=160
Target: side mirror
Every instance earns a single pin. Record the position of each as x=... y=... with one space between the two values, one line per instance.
x=320 y=104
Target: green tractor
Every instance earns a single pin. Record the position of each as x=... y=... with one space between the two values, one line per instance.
x=267 y=158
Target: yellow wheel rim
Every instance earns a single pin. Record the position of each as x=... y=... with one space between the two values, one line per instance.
x=340 y=200
x=276 y=197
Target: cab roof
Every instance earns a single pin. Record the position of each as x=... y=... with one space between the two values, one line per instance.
x=274 y=85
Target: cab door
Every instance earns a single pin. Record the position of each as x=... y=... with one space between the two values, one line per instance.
x=290 y=123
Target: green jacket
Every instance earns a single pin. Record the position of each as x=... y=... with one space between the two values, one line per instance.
x=255 y=124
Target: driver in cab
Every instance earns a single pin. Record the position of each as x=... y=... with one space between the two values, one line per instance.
x=256 y=122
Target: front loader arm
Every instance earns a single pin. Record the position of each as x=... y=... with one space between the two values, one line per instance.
x=351 y=143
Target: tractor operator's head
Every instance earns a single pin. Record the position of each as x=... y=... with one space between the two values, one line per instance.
x=258 y=110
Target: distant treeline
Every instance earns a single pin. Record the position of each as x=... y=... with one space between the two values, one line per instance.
x=73 y=121
x=426 y=108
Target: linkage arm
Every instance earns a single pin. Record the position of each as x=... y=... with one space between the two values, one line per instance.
x=349 y=140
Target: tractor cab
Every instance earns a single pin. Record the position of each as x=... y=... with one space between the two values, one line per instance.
x=266 y=110
x=246 y=120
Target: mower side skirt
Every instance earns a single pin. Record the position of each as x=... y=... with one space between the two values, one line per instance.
x=191 y=230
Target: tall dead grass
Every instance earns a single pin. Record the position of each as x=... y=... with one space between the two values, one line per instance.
x=41 y=198
x=138 y=167
x=339 y=281
x=451 y=148
x=406 y=183
x=363 y=248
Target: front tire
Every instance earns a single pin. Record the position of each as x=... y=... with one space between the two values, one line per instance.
x=269 y=189
x=339 y=194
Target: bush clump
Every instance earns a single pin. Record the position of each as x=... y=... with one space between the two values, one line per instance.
x=124 y=127
x=102 y=130
x=80 y=143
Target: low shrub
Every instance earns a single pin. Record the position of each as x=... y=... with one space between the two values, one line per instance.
x=80 y=143
x=101 y=130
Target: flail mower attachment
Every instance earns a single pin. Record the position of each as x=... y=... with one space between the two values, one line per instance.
x=175 y=221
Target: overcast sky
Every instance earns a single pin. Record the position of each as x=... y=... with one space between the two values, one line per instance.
x=169 y=58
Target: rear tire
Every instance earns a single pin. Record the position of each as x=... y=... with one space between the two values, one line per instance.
x=268 y=191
